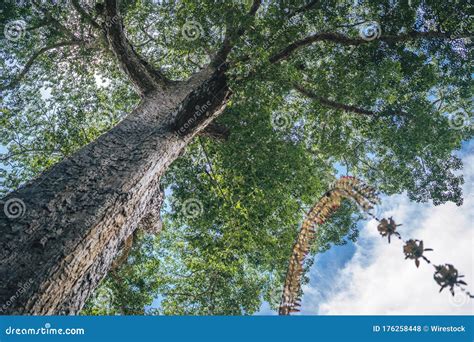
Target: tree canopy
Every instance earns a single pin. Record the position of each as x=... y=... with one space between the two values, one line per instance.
x=313 y=98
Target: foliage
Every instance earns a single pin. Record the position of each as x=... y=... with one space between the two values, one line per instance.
x=129 y=288
x=285 y=147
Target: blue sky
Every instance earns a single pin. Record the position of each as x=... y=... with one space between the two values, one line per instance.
x=372 y=277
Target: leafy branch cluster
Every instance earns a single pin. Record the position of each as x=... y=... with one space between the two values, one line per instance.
x=377 y=108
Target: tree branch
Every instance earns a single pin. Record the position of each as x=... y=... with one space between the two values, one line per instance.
x=5 y=157
x=41 y=24
x=49 y=18
x=304 y=8
x=210 y=174
x=255 y=6
x=215 y=131
x=145 y=77
x=85 y=15
x=333 y=104
x=33 y=58
x=341 y=106
x=232 y=35
x=340 y=38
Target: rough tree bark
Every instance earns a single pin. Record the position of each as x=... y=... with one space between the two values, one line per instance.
x=80 y=213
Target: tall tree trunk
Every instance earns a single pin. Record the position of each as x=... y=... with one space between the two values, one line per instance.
x=79 y=213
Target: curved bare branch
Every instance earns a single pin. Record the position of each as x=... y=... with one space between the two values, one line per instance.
x=333 y=104
x=144 y=76
x=34 y=57
x=340 y=38
x=232 y=35
x=84 y=14
x=310 y=5
x=216 y=131
x=341 y=106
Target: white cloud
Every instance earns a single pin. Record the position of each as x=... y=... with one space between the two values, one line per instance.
x=379 y=281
